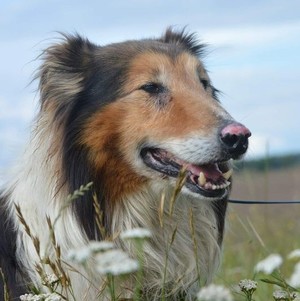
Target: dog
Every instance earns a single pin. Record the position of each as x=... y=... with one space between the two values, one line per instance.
x=129 y=117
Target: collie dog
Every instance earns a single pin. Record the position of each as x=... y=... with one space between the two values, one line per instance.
x=128 y=117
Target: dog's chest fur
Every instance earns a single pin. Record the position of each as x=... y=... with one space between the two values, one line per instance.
x=186 y=242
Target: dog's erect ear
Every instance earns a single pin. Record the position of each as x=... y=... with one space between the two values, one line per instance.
x=63 y=71
x=186 y=40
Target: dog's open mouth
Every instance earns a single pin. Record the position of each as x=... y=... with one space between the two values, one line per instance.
x=209 y=180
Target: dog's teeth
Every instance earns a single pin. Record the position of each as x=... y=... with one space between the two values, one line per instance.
x=227 y=183
x=227 y=174
x=214 y=187
x=201 y=179
x=207 y=185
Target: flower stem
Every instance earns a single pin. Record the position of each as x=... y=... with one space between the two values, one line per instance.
x=140 y=253
x=111 y=286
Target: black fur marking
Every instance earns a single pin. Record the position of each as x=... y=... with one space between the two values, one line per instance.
x=79 y=78
x=220 y=208
x=185 y=40
x=216 y=93
x=8 y=261
x=100 y=87
x=61 y=75
x=205 y=83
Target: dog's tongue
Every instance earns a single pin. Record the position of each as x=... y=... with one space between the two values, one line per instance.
x=211 y=171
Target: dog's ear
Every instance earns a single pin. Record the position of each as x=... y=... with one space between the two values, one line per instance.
x=184 y=39
x=62 y=74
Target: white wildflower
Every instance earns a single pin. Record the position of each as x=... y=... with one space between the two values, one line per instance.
x=139 y=233
x=50 y=279
x=294 y=254
x=31 y=297
x=248 y=285
x=295 y=278
x=98 y=246
x=281 y=295
x=80 y=255
x=269 y=264
x=41 y=297
x=53 y=297
x=214 y=292
x=115 y=262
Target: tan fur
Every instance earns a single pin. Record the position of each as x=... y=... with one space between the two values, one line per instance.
x=105 y=148
x=123 y=124
x=189 y=107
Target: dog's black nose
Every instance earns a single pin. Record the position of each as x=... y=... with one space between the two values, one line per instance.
x=234 y=138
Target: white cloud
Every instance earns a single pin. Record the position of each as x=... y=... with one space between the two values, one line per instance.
x=244 y=36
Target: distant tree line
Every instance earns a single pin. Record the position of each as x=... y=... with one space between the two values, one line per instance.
x=269 y=163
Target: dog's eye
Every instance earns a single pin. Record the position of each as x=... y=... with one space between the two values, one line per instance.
x=153 y=88
x=205 y=83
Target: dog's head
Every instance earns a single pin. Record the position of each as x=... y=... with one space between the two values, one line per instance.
x=138 y=112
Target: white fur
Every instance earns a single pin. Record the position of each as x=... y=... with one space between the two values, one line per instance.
x=34 y=189
x=143 y=210
x=197 y=148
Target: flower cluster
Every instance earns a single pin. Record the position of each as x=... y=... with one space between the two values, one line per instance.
x=269 y=264
x=294 y=254
x=247 y=285
x=81 y=255
x=108 y=259
x=214 y=292
x=136 y=233
x=295 y=278
x=50 y=280
x=281 y=295
x=115 y=262
x=41 y=297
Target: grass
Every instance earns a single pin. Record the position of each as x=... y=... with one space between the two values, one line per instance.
x=253 y=232
x=249 y=239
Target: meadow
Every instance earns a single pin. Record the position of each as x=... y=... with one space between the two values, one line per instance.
x=256 y=231
x=253 y=232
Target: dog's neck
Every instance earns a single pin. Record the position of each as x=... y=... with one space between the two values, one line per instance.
x=185 y=238
x=185 y=241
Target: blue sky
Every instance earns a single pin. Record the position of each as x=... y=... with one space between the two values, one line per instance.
x=254 y=57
